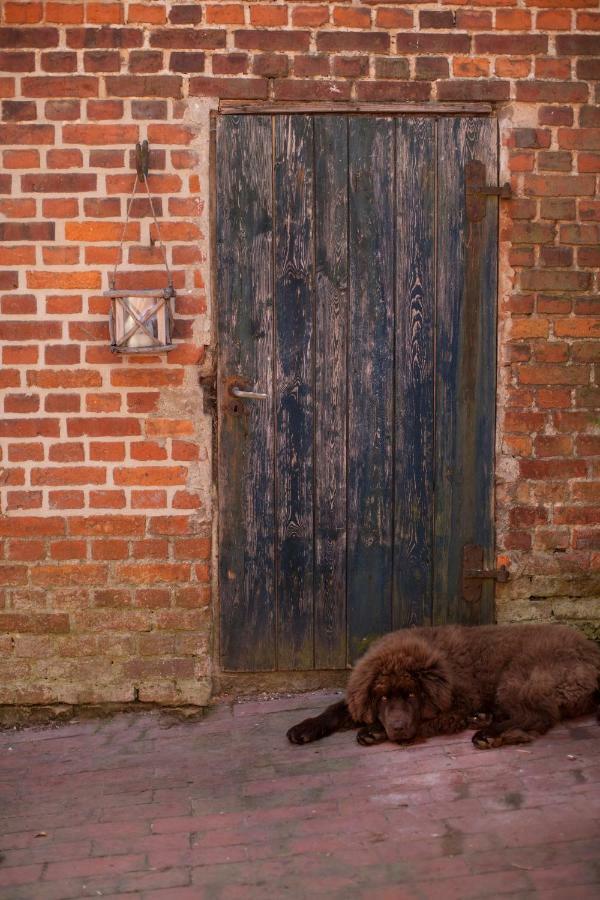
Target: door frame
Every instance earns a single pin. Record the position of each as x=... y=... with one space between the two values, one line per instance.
x=250 y=681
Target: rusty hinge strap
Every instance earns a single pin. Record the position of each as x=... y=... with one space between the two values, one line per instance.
x=473 y=573
x=501 y=574
x=476 y=190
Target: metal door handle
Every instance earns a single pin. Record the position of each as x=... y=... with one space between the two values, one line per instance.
x=248 y=395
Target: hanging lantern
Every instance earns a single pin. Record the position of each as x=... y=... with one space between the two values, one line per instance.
x=141 y=321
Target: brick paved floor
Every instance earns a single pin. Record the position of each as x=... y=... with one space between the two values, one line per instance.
x=226 y=808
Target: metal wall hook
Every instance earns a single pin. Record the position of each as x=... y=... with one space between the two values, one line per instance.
x=142 y=155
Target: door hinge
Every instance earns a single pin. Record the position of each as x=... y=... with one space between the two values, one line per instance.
x=473 y=573
x=477 y=191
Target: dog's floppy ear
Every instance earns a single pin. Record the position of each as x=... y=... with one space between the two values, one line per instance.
x=361 y=694
x=436 y=689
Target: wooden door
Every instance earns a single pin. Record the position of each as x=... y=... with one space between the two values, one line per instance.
x=354 y=293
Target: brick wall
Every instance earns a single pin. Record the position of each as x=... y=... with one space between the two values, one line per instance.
x=106 y=462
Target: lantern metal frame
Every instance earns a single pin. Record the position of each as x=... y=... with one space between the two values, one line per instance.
x=133 y=311
x=159 y=305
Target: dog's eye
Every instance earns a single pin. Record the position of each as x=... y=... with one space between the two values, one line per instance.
x=384 y=699
x=411 y=696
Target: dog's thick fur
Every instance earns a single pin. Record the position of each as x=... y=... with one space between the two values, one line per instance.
x=517 y=680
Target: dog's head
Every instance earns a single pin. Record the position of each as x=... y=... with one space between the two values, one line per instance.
x=400 y=682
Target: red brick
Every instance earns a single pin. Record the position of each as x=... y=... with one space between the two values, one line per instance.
x=21 y=403
x=107 y=499
x=311 y=16
x=23 y=500
x=474 y=90
x=62 y=110
x=152 y=548
x=186 y=15
x=433 y=43
x=17 y=62
x=58 y=86
x=270 y=65
x=352 y=17
x=67 y=452
x=106 y=426
x=186 y=500
x=393 y=90
x=230 y=64
x=62 y=403
x=151 y=475
x=110 y=549
x=577 y=45
x=552 y=468
x=225 y=14
x=26 y=550
x=152 y=573
x=270 y=16
x=555 y=115
x=29 y=526
x=145 y=450
x=34 y=623
x=511 y=44
x=151 y=15
x=25 y=451
x=258 y=39
x=113 y=451
x=68 y=475
x=59 y=61
x=63 y=378
x=189 y=39
x=27 y=428
x=68 y=550
x=187 y=62
x=66 y=499
x=68 y=574
x=19 y=38
x=230 y=88
x=148 y=499
x=61 y=355
x=18 y=111
x=106 y=525
x=193 y=548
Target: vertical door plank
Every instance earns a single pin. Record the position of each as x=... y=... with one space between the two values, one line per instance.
x=331 y=299
x=415 y=306
x=294 y=311
x=370 y=378
x=465 y=368
x=245 y=319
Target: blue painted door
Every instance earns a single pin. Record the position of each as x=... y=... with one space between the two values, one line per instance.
x=357 y=301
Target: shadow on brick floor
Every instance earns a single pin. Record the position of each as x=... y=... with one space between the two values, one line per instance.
x=226 y=808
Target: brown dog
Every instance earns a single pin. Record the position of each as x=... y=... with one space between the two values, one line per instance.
x=517 y=680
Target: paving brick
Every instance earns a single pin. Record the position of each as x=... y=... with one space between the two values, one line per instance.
x=224 y=807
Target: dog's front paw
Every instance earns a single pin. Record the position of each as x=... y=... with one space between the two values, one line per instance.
x=305 y=732
x=369 y=736
x=483 y=740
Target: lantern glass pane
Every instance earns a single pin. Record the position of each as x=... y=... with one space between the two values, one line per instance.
x=139 y=338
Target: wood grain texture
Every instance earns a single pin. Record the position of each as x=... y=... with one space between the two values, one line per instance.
x=465 y=368
x=415 y=310
x=245 y=318
x=294 y=312
x=331 y=300
x=370 y=379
